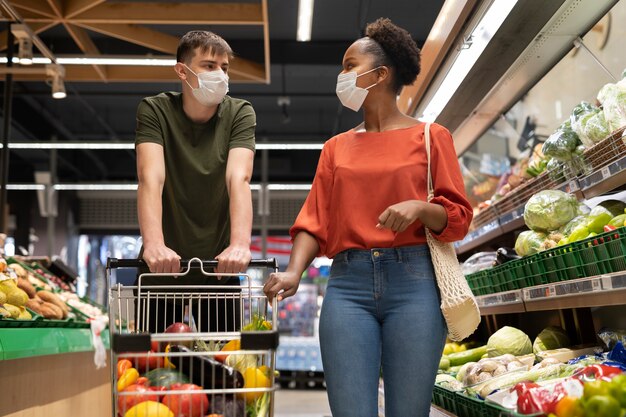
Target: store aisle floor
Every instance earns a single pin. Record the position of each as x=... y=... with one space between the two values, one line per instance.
x=301 y=403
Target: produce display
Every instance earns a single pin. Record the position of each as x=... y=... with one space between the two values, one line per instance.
x=164 y=380
x=32 y=294
x=556 y=218
x=524 y=383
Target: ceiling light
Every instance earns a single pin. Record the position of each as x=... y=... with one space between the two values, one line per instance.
x=305 y=20
x=131 y=146
x=24 y=36
x=133 y=187
x=25 y=51
x=82 y=60
x=57 y=72
x=469 y=52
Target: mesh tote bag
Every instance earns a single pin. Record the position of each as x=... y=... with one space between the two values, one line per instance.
x=458 y=304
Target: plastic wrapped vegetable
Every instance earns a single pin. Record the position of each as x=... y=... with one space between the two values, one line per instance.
x=561 y=144
x=613 y=99
x=548 y=210
x=594 y=128
x=579 y=112
x=529 y=242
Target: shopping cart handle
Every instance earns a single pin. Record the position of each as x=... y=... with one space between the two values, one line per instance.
x=113 y=263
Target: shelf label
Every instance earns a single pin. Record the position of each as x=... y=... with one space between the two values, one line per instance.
x=606 y=172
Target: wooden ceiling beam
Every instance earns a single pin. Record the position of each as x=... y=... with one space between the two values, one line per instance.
x=37 y=28
x=174 y=13
x=57 y=7
x=84 y=42
x=139 y=35
x=122 y=73
x=75 y=7
x=34 y=6
x=266 y=42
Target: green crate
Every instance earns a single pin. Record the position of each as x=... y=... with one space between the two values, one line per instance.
x=561 y=264
x=602 y=254
x=444 y=398
x=467 y=406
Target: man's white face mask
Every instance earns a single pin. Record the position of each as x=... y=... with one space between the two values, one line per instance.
x=349 y=94
x=212 y=86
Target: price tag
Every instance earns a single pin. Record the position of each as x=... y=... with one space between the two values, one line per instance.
x=573 y=186
x=607 y=282
x=606 y=172
x=596 y=284
x=551 y=291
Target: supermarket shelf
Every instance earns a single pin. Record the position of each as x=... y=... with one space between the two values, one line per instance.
x=598 y=291
x=478 y=237
x=605 y=179
x=27 y=342
x=513 y=220
x=501 y=303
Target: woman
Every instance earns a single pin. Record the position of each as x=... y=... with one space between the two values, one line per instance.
x=367 y=210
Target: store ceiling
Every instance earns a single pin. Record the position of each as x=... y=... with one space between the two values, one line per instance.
x=103 y=108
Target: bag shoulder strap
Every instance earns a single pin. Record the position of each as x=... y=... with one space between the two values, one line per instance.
x=427 y=143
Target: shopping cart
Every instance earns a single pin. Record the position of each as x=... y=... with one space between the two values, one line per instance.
x=192 y=350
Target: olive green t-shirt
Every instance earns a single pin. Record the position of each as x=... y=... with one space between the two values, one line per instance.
x=196 y=218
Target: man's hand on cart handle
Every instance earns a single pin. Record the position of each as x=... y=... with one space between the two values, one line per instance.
x=161 y=259
x=233 y=259
x=281 y=285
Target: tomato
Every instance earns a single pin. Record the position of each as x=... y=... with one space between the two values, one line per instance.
x=143 y=393
x=147 y=361
x=123 y=365
x=254 y=378
x=187 y=404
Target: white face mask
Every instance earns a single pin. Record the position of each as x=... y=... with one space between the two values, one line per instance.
x=349 y=94
x=212 y=87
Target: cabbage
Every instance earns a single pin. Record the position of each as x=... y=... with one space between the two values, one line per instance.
x=613 y=99
x=529 y=242
x=552 y=337
x=594 y=129
x=509 y=340
x=561 y=144
x=548 y=210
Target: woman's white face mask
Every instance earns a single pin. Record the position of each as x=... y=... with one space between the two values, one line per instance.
x=349 y=94
x=212 y=86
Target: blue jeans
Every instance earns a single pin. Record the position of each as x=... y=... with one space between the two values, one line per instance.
x=381 y=308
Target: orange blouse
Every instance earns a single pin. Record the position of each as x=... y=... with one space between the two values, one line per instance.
x=360 y=174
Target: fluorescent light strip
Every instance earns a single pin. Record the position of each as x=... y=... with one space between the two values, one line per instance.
x=131 y=145
x=305 y=20
x=466 y=58
x=133 y=187
x=151 y=62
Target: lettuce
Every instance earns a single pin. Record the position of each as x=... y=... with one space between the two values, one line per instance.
x=548 y=210
x=529 y=242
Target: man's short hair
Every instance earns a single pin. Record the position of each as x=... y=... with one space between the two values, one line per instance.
x=203 y=39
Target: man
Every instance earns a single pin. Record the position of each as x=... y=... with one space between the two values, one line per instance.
x=195 y=152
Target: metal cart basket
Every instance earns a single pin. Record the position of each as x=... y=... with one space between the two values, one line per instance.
x=192 y=350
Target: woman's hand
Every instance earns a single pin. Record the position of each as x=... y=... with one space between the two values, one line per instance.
x=287 y=282
x=399 y=216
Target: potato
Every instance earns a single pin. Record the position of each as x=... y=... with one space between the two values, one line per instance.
x=51 y=311
x=26 y=287
x=35 y=305
x=49 y=297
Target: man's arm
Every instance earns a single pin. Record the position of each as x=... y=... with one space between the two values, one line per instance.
x=151 y=175
x=237 y=256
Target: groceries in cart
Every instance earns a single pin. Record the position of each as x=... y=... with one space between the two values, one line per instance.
x=180 y=371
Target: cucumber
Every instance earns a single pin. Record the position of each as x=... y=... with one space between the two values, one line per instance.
x=444 y=363
x=470 y=355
